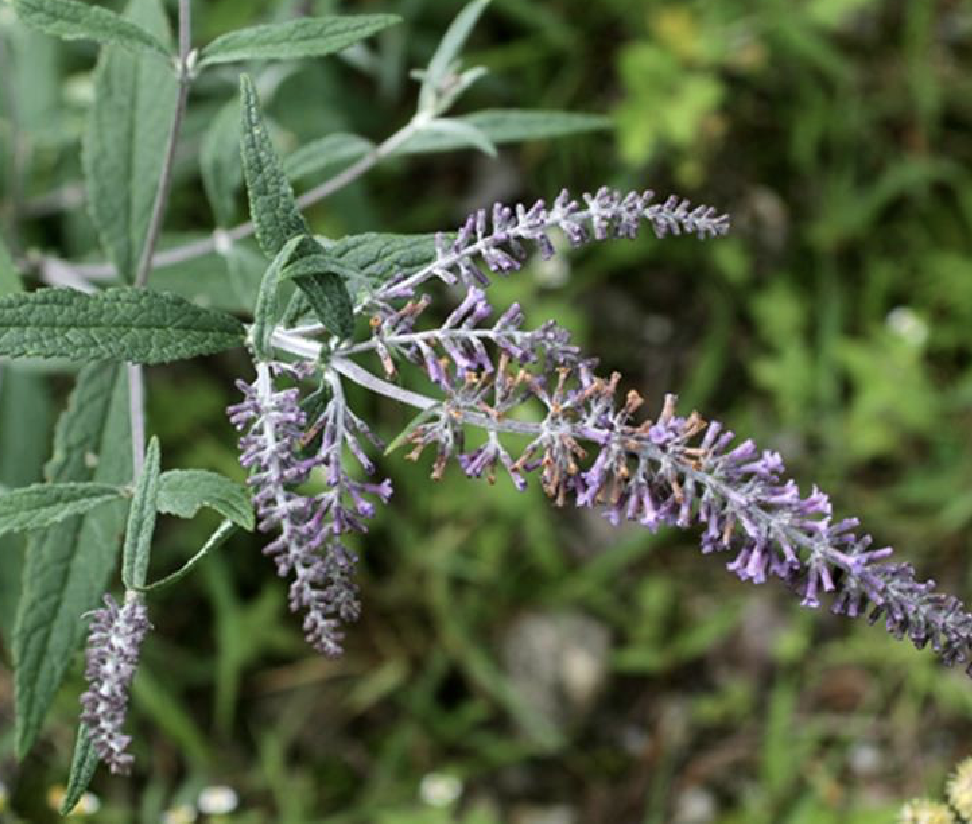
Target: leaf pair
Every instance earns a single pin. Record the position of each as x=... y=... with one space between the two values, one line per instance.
x=284 y=235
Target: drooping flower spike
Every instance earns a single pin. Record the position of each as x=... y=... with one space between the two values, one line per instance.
x=588 y=449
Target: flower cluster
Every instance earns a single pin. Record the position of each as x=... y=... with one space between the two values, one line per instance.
x=588 y=449
x=667 y=472
x=275 y=447
x=499 y=239
x=114 y=641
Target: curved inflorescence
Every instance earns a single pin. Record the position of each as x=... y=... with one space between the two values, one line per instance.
x=590 y=451
x=114 y=642
x=498 y=239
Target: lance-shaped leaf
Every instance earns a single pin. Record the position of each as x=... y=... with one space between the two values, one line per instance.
x=273 y=206
x=81 y=21
x=219 y=162
x=267 y=307
x=461 y=132
x=305 y=37
x=183 y=491
x=68 y=565
x=278 y=220
x=9 y=279
x=83 y=765
x=125 y=140
x=504 y=126
x=434 y=77
x=324 y=280
x=141 y=521
x=41 y=505
x=366 y=261
x=327 y=294
x=136 y=325
x=325 y=154
x=25 y=415
x=216 y=540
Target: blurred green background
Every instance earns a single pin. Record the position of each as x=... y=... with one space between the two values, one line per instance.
x=517 y=663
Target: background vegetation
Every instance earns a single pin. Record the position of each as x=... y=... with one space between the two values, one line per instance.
x=514 y=662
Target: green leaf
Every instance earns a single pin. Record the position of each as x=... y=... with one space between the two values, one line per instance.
x=328 y=296
x=368 y=260
x=505 y=126
x=323 y=280
x=326 y=154
x=125 y=140
x=315 y=264
x=422 y=417
x=68 y=565
x=141 y=521
x=447 y=51
x=25 y=418
x=71 y=20
x=378 y=257
x=278 y=220
x=219 y=162
x=305 y=37
x=273 y=206
x=9 y=279
x=83 y=766
x=40 y=505
x=136 y=325
x=461 y=132
x=216 y=540
x=183 y=491
x=266 y=311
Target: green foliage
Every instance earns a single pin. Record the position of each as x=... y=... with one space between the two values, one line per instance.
x=306 y=37
x=834 y=325
x=219 y=162
x=73 y=20
x=183 y=492
x=116 y=324
x=436 y=76
x=327 y=294
x=41 y=505
x=501 y=126
x=377 y=257
x=273 y=206
x=278 y=223
x=216 y=540
x=327 y=153
x=25 y=418
x=84 y=762
x=125 y=138
x=9 y=280
x=137 y=551
x=68 y=564
x=266 y=313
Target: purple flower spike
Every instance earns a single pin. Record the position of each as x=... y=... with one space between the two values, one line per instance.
x=307 y=548
x=114 y=641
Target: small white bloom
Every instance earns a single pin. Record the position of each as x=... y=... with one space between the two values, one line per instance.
x=181 y=814
x=904 y=322
x=218 y=800
x=440 y=789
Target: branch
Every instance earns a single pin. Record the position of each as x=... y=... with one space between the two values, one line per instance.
x=220 y=238
x=136 y=387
